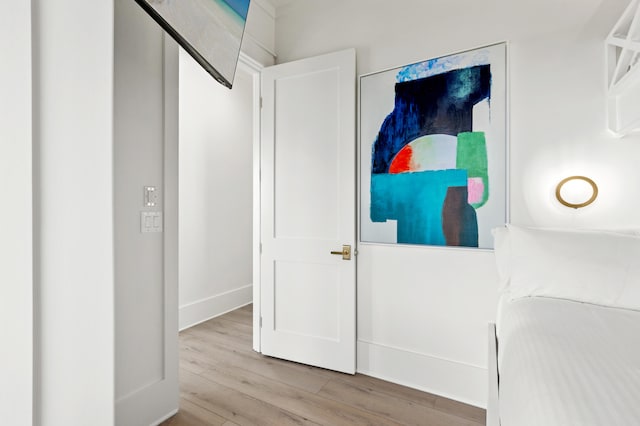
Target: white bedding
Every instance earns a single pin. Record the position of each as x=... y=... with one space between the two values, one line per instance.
x=564 y=363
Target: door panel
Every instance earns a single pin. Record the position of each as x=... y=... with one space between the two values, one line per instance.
x=305 y=157
x=316 y=287
x=308 y=211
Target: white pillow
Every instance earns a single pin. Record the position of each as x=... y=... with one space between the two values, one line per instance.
x=588 y=266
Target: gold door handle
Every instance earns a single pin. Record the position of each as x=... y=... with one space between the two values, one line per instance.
x=345 y=253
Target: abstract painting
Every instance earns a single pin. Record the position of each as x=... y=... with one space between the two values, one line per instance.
x=433 y=162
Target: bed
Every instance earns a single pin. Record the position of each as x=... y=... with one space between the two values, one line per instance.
x=565 y=349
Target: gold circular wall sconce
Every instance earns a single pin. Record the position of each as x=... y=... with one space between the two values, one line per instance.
x=576 y=191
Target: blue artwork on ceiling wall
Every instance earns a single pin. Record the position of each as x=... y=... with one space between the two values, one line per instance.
x=438 y=157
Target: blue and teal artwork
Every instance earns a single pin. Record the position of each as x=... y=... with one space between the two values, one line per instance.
x=430 y=167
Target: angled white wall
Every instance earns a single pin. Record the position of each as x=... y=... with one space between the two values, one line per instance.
x=422 y=312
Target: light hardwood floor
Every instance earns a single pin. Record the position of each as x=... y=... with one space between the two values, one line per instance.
x=223 y=382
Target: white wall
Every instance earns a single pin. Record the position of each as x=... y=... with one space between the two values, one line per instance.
x=146 y=281
x=67 y=297
x=138 y=150
x=216 y=138
x=216 y=171
x=16 y=260
x=422 y=312
x=73 y=187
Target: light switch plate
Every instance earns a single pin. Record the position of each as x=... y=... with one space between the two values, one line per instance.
x=150 y=196
x=150 y=222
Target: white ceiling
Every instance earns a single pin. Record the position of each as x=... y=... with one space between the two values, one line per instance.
x=280 y=3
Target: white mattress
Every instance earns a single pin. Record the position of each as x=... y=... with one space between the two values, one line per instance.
x=564 y=363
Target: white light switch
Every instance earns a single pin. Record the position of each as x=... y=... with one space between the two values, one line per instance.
x=150 y=196
x=150 y=222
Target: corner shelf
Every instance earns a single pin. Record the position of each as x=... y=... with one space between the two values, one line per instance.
x=623 y=72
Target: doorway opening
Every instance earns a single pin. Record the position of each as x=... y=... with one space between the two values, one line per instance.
x=219 y=143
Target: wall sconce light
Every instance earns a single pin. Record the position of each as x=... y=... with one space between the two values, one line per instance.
x=576 y=191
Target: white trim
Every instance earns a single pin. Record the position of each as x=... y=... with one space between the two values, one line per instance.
x=163 y=418
x=253 y=67
x=267 y=7
x=414 y=352
x=16 y=245
x=447 y=378
x=257 y=109
x=211 y=307
x=261 y=45
x=507 y=118
x=170 y=176
x=248 y=64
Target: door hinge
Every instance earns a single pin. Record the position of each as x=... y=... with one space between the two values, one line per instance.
x=260 y=322
x=260 y=248
x=260 y=101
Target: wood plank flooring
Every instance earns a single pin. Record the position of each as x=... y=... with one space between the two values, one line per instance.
x=223 y=382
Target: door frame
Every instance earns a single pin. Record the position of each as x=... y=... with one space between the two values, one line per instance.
x=254 y=68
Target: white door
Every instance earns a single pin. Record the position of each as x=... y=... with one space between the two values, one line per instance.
x=308 y=210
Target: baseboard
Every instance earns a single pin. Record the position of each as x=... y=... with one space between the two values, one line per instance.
x=450 y=379
x=165 y=417
x=205 y=309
